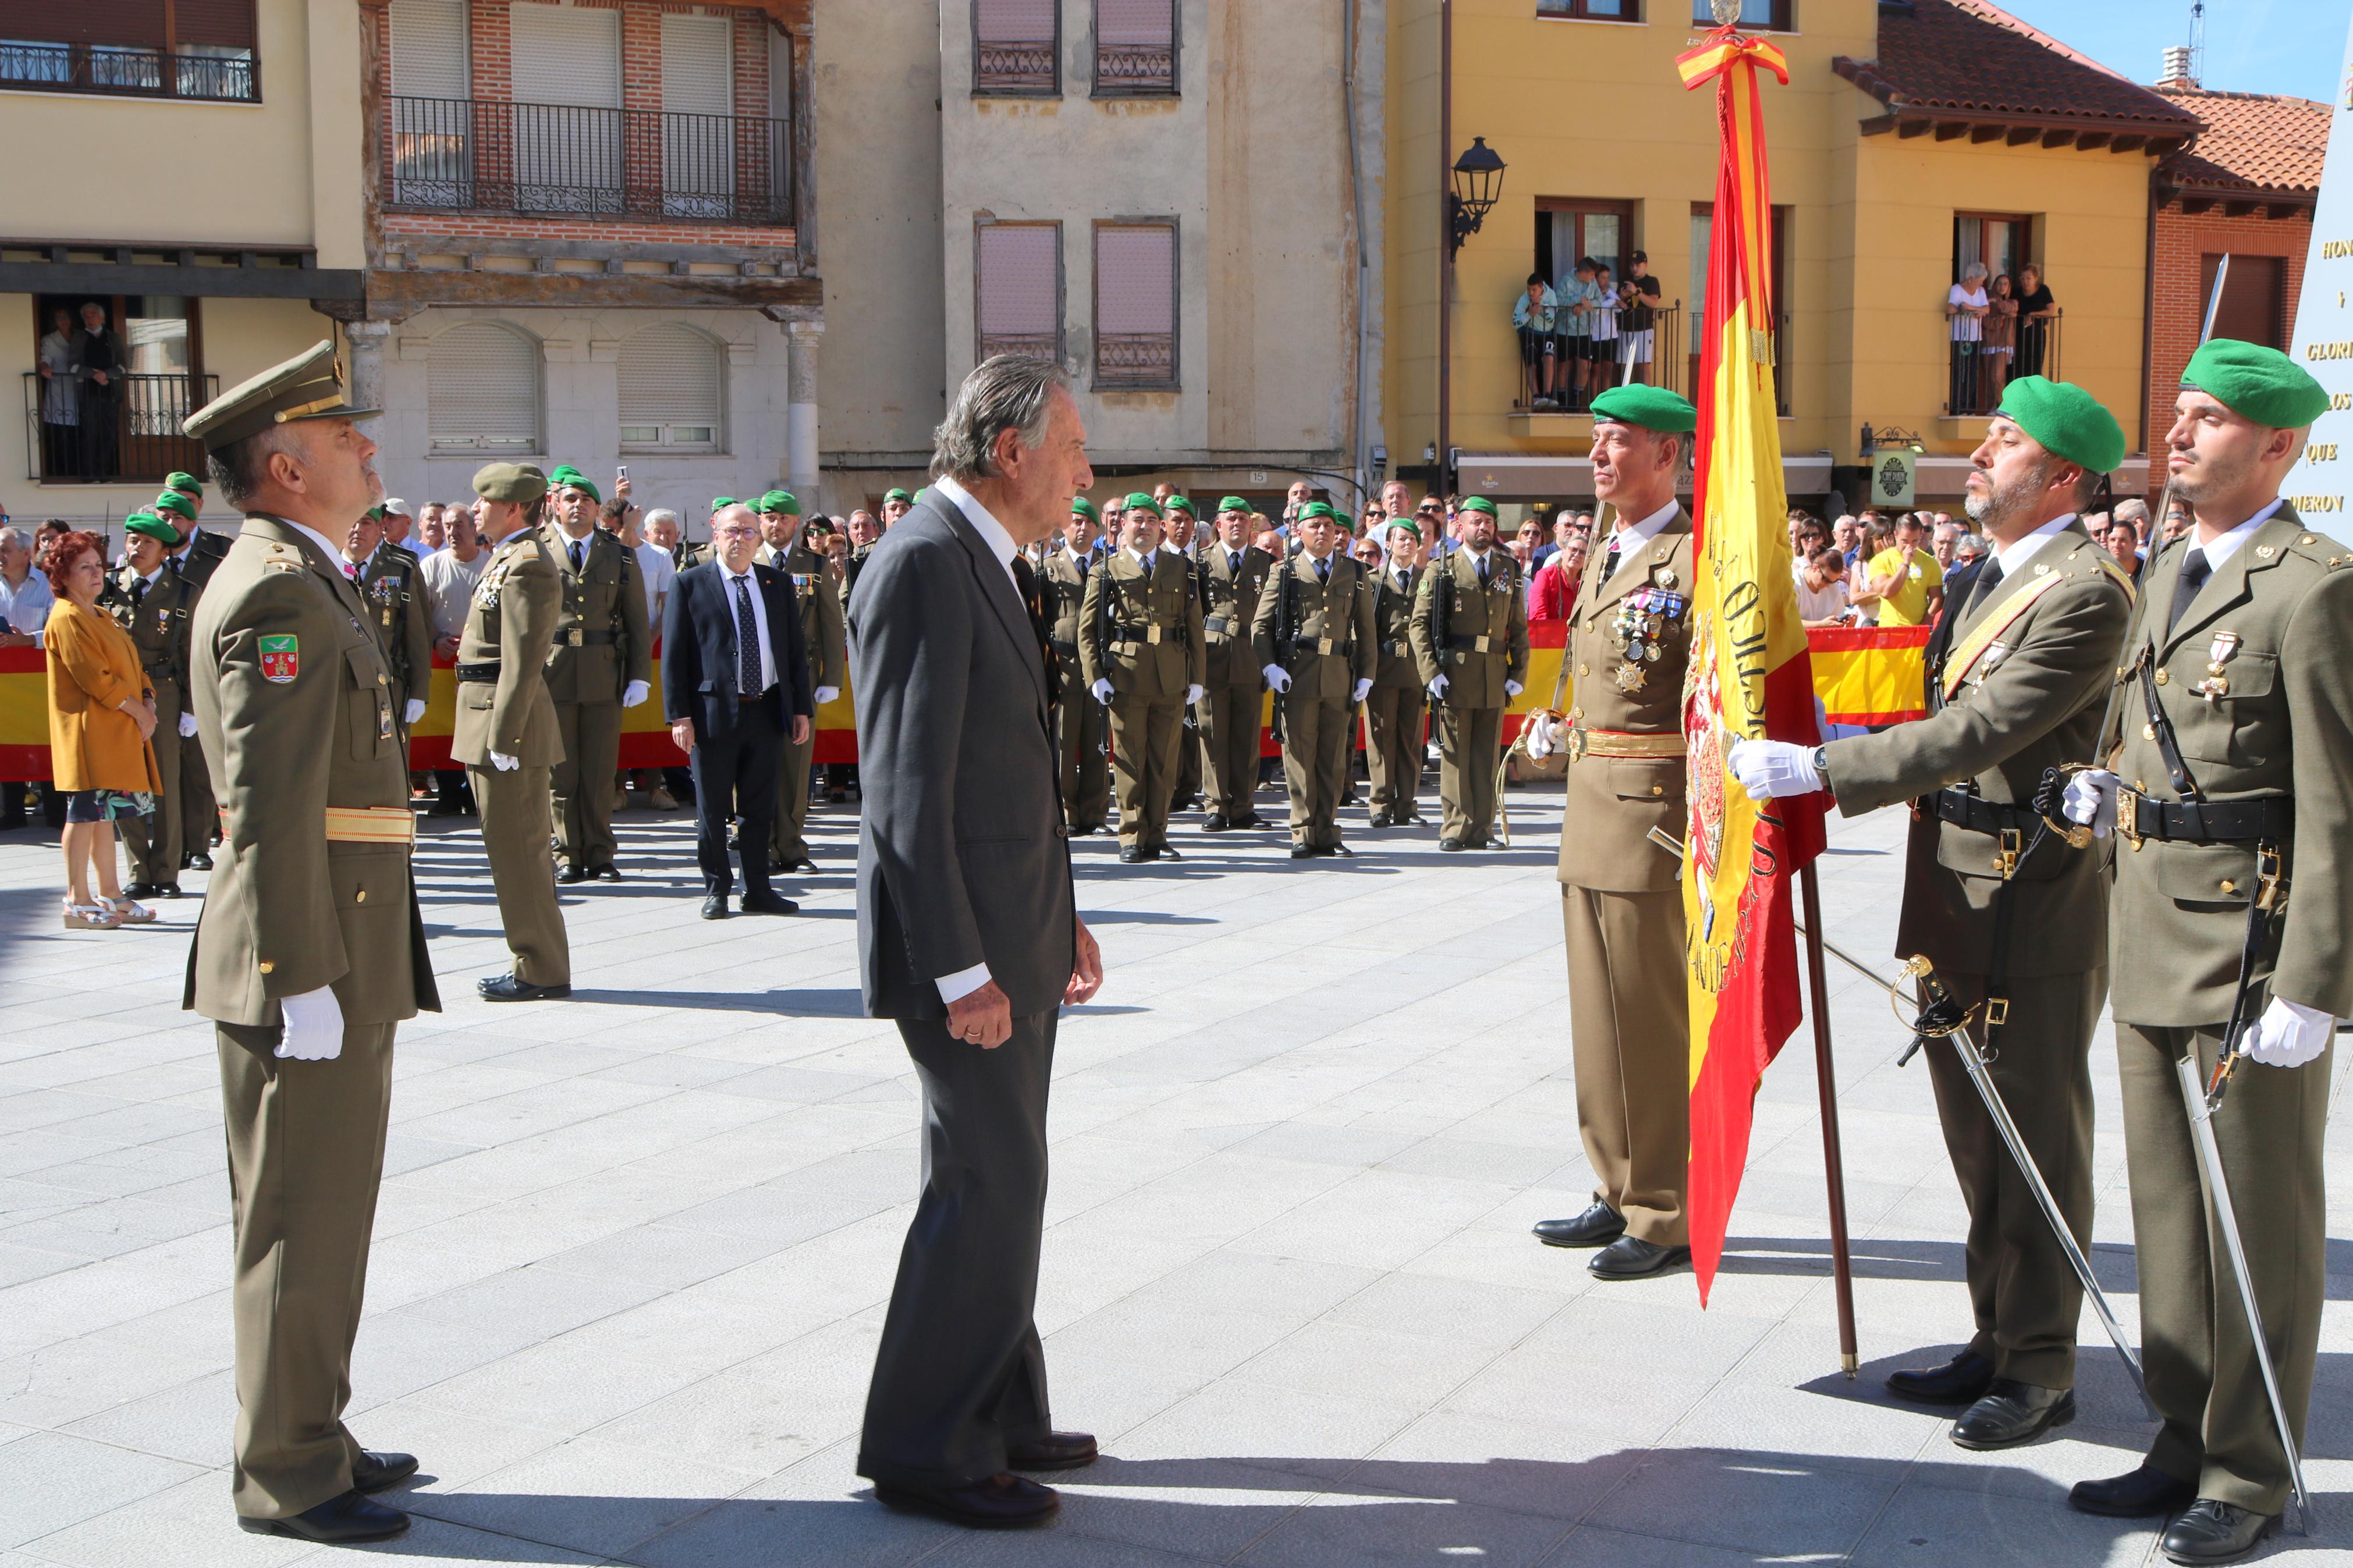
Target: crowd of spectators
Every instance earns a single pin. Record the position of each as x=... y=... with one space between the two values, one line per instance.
x=1588 y=331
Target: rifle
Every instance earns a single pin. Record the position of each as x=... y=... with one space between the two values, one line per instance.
x=1286 y=630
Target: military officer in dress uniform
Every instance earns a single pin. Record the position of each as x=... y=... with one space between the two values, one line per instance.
x=1312 y=636
x=2013 y=917
x=309 y=950
x=1141 y=654
x=1181 y=527
x=1393 y=709
x=192 y=561
x=387 y=581
x=152 y=605
x=601 y=663
x=1232 y=573
x=1079 y=722
x=817 y=593
x=2227 y=782
x=505 y=732
x=1471 y=642
x=1621 y=908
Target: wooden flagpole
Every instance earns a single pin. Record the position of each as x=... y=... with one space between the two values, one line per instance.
x=1826 y=1084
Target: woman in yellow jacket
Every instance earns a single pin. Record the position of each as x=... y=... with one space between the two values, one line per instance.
x=101 y=713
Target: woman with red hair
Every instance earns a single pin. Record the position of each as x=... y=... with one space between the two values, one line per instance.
x=102 y=713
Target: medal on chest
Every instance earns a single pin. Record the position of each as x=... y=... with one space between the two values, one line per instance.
x=2219 y=655
x=1637 y=632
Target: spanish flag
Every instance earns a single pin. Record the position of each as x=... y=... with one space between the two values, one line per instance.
x=1749 y=677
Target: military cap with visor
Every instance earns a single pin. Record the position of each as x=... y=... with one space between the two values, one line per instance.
x=308 y=386
x=155 y=527
x=2256 y=383
x=518 y=482
x=1649 y=408
x=2066 y=421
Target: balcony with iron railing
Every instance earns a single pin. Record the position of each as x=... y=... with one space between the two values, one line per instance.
x=196 y=71
x=1979 y=365
x=447 y=155
x=1657 y=357
x=1136 y=70
x=1135 y=362
x=75 y=432
x=1015 y=68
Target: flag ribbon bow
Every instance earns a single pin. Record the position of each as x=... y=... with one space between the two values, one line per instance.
x=1717 y=53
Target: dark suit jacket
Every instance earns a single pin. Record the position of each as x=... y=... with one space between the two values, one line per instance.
x=962 y=853
x=699 y=651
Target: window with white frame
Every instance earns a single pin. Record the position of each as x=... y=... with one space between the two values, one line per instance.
x=482 y=390
x=672 y=394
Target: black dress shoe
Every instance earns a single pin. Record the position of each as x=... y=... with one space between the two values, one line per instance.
x=1054 y=1451
x=1960 y=1381
x=2212 y=1532
x=1216 y=823
x=607 y=872
x=2012 y=1412
x=714 y=907
x=1302 y=851
x=166 y=890
x=1082 y=832
x=382 y=1472
x=135 y=890
x=570 y=874
x=1452 y=845
x=1631 y=1258
x=771 y=904
x=1005 y=1501
x=199 y=861
x=509 y=988
x=1164 y=853
x=1336 y=849
x=338 y=1521
x=1599 y=1225
x=1131 y=854
x=2144 y=1493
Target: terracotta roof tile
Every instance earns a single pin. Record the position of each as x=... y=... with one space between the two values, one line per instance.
x=2253 y=142
x=1971 y=60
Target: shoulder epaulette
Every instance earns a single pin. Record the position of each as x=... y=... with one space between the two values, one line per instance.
x=278 y=557
x=2322 y=551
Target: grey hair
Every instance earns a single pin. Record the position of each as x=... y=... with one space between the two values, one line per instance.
x=14 y=538
x=1973 y=543
x=2132 y=508
x=239 y=469
x=1006 y=392
x=1974 y=269
x=663 y=514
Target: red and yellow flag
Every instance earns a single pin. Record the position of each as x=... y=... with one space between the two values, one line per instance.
x=1749 y=677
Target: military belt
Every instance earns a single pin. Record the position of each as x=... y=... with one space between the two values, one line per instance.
x=483 y=673
x=1964 y=809
x=2263 y=817
x=1470 y=645
x=1067 y=649
x=579 y=637
x=1399 y=649
x=1328 y=646
x=1137 y=637
x=1583 y=744
x=1218 y=625
x=371 y=825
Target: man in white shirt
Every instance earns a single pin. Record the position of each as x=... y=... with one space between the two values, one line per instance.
x=24 y=596
x=449 y=576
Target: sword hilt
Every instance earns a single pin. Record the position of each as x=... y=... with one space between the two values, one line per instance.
x=1939 y=1014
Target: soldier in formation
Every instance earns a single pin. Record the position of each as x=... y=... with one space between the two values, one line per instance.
x=1141 y=654
x=386 y=575
x=1393 y=708
x=1470 y=641
x=152 y=603
x=601 y=663
x=1232 y=573
x=1082 y=724
x=1313 y=639
x=192 y=561
x=817 y=594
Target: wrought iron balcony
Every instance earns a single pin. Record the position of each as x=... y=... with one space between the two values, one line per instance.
x=1015 y=69
x=1980 y=369
x=456 y=154
x=1139 y=360
x=1136 y=70
x=75 y=431
x=218 y=76
x=1037 y=345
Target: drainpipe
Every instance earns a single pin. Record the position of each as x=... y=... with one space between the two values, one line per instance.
x=1445 y=247
x=1348 y=20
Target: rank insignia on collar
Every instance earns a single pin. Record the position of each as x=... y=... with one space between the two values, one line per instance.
x=2265 y=552
x=1667 y=578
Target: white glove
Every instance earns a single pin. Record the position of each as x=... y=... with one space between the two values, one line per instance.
x=1438 y=686
x=2090 y=801
x=1359 y=694
x=825 y=694
x=187 y=725
x=1277 y=679
x=1543 y=736
x=1192 y=695
x=1769 y=770
x=1102 y=690
x=2289 y=1035
x=503 y=762
x=1512 y=689
x=416 y=712
x=314 y=1026
x=631 y=694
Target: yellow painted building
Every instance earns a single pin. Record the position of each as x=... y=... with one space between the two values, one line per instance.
x=1915 y=136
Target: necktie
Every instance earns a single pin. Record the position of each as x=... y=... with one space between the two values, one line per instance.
x=747 y=641
x=138 y=593
x=1324 y=570
x=1234 y=563
x=1609 y=559
x=1482 y=570
x=579 y=548
x=2194 y=573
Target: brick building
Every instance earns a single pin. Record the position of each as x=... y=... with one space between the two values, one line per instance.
x=2245 y=189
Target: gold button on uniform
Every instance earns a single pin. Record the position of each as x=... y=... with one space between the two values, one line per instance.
x=359 y=897
x=2160 y=677
x=267 y=966
x=2229 y=885
x=1657 y=789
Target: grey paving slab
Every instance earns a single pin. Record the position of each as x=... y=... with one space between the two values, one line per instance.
x=633 y=1251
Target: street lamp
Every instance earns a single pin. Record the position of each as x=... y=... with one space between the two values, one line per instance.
x=1478 y=181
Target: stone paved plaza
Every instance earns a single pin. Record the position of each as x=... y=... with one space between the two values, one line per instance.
x=634 y=1248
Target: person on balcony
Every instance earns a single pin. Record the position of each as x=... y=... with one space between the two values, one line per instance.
x=1965 y=306
x=1638 y=335
x=1999 y=345
x=1532 y=317
x=1575 y=319
x=100 y=366
x=2036 y=311
x=60 y=400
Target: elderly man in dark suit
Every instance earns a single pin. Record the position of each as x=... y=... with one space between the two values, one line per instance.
x=735 y=685
x=968 y=936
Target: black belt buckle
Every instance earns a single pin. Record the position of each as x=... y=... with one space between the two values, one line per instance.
x=2128 y=804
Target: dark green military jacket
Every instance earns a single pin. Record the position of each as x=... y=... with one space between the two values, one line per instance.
x=1229 y=609
x=602 y=640
x=1330 y=622
x=1485 y=628
x=157 y=617
x=510 y=627
x=1145 y=638
x=1395 y=665
x=397 y=609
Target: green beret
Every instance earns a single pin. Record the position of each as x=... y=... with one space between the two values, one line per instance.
x=894 y=493
x=573 y=480
x=2256 y=383
x=1081 y=507
x=308 y=386
x=510 y=483
x=1174 y=501
x=563 y=474
x=147 y=523
x=373 y=514
x=1234 y=503
x=784 y=502
x=1652 y=407
x=1141 y=499
x=176 y=481
x=173 y=500
x=1408 y=524
x=1316 y=508
x=2067 y=421
x=717 y=502
x=1481 y=503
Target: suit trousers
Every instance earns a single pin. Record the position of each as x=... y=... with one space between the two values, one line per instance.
x=1393 y=713
x=1629 y=1025
x=153 y=843
x=1079 y=725
x=1229 y=745
x=1314 y=763
x=1470 y=748
x=199 y=812
x=305 y=1158
x=583 y=782
x=2196 y=1353
x=960 y=1375
x=1145 y=734
x=2026 y=1298
x=738 y=774
x=513 y=808
x=788 y=838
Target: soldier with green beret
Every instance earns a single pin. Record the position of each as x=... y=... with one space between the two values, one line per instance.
x=1081 y=723
x=1179 y=531
x=2227 y=777
x=151 y=604
x=816 y=594
x=1471 y=642
x=897 y=503
x=1394 y=706
x=387 y=579
x=506 y=732
x=601 y=663
x=2013 y=917
x=1141 y=654
x=309 y=950
x=1233 y=572
x=1312 y=637
x=192 y=561
x=185 y=484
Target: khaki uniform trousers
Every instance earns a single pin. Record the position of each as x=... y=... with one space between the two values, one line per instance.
x=153 y=843
x=787 y=840
x=582 y=781
x=199 y=812
x=1629 y=1025
x=1229 y=743
x=1146 y=734
x=1393 y=715
x=1079 y=725
x=305 y=1159
x=2195 y=1350
x=1315 y=762
x=1470 y=747
x=2025 y=1297
x=514 y=812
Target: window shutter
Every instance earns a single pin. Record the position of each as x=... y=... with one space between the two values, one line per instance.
x=1014 y=21
x=697 y=78
x=226 y=24
x=669 y=388
x=1020 y=288
x=566 y=54
x=1135 y=22
x=135 y=21
x=429 y=52
x=482 y=390
x=1136 y=304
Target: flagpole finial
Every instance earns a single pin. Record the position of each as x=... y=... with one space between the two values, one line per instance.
x=1727 y=12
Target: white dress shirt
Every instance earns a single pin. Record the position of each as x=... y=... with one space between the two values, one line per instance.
x=2227 y=545
x=1628 y=538
x=751 y=585
x=2014 y=555
x=984 y=522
